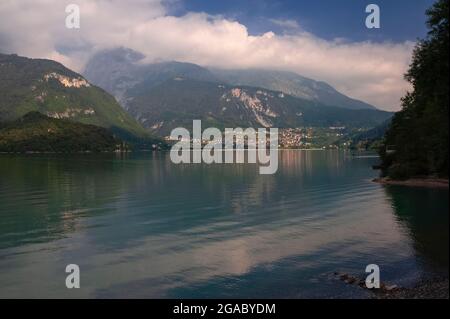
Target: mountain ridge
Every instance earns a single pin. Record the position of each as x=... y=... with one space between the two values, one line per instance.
x=293 y=84
x=49 y=87
x=165 y=95
x=176 y=102
x=123 y=73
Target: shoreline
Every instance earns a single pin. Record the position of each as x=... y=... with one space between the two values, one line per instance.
x=415 y=182
x=437 y=288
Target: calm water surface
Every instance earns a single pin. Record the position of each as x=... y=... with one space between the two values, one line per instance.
x=140 y=226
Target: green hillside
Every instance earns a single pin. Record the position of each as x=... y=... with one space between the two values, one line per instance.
x=178 y=101
x=50 y=88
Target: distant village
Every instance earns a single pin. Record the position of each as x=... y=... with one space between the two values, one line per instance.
x=333 y=137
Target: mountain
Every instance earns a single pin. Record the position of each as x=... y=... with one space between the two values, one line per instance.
x=123 y=73
x=50 y=88
x=292 y=84
x=35 y=132
x=176 y=102
x=162 y=96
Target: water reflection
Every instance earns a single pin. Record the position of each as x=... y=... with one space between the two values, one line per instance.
x=424 y=214
x=140 y=226
x=42 y=198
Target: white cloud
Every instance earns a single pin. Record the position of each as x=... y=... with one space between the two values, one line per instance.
x=369 y=71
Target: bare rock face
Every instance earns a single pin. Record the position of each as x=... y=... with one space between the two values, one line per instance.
x=66 y=81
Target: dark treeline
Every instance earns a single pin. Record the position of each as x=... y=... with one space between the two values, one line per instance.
x=35 y=132
x=416 y=144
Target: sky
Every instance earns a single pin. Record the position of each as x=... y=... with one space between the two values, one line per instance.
x=329 y=19
x=326 y=40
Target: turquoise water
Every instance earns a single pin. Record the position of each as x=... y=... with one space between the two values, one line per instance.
x=139 y=226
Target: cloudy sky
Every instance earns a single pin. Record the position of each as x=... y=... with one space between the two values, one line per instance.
x=325 y=40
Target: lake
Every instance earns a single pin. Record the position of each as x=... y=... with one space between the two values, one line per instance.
x=139 y=226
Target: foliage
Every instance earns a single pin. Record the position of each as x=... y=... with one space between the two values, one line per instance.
x=417 y=141
x=36 y=132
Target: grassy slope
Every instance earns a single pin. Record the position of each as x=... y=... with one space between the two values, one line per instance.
x=23 y=89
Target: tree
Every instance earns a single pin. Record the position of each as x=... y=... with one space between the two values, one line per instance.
x=419 y=132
